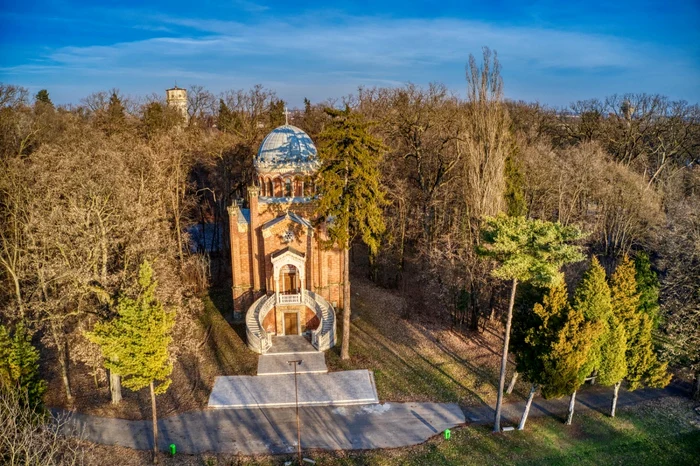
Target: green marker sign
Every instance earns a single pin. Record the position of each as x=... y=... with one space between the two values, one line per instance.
x=448 y=434
x=172 y=449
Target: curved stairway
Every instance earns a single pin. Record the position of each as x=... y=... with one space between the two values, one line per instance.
x=260 y=341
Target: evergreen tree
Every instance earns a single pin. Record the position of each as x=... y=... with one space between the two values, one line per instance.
x=225 y=120
x=643 y=367
x=43 y=97
x=19 y=365
x=115 y=116
x=159 y=118
x=565 y=365
x=538 y=328
x=277 y=113
x=613 y=362
x=135 y=344
x=5 y=356
x=351 y=195
x=527 y=250
x=648 y=288
x=592 y=298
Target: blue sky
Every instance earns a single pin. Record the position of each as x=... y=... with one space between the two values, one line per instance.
x=554 y=52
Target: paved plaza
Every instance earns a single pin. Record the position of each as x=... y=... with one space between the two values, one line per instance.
x=331 y=389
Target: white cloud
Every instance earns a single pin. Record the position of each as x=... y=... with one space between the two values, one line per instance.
x=306 y=52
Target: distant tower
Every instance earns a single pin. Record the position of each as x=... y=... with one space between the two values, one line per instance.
x=177 y=97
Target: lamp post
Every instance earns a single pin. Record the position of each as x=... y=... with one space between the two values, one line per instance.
x=296 y=394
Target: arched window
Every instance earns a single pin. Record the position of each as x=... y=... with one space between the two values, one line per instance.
x=269 y=189
x=261 y=183
x=288 y=187
x=278 y=188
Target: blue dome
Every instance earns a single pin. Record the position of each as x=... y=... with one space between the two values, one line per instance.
x=287 y=147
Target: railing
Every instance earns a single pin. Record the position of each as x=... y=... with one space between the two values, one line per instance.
x=258 y=339
x=323 y=337
x=288 y=298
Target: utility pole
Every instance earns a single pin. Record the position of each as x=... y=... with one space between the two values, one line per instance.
x=296 y=393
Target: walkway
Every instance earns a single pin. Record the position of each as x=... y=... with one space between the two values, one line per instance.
x=273 y=431
x=291 y=344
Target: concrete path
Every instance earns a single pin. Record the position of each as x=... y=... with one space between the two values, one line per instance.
x=333 y=389
x=273 y=431
x=291 y=344
x=278 y=364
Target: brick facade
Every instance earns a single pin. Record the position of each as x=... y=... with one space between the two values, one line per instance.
x=267 y=227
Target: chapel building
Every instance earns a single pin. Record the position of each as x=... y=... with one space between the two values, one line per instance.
x=284 y=278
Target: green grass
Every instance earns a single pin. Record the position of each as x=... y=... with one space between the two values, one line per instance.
x=226 y=340
x=412 y=362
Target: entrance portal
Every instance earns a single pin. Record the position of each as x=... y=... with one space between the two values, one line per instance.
x=290 y=280
x=291 y=323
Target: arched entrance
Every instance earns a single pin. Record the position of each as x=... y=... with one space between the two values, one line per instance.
x=290 y=280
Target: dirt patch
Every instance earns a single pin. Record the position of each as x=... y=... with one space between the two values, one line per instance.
x=221 y=351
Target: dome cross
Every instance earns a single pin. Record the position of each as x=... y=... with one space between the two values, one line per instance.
x=286 y=115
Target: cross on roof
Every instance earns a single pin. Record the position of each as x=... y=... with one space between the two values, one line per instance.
x=286 y=115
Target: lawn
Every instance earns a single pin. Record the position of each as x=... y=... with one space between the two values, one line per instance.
x=418 y=359
x=226 y=341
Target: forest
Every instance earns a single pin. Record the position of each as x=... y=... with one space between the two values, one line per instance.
x=96 y=193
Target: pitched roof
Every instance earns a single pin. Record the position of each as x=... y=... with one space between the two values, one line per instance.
x=288 y=216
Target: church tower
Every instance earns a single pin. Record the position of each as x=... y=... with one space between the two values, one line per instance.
x=177 y=97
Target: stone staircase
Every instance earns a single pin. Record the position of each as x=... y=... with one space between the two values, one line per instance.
x=260 y=341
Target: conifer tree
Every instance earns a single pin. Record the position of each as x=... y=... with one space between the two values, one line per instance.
x=613 y=362
x=648 y=288
x=351 y=195
x=592 y=297
x=527 y=250
x=135 y=344
x=225 y=119
x=115 y=116
x=43 y=97
x=19 y=365
x=159 y=118
x=569 y=354
x=538 y=330
x=643 y=367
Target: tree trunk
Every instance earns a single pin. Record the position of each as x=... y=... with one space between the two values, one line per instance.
x=511 y=386
x=115 y=387
x=18 y=289
x=345 y=348
x=504 y=359
x=155 y=425
x=614 y=399
x=570 y=417
x=474 y=301
x=523 y=419
x=61 y=346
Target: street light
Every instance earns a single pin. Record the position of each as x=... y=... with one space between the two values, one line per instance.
x=296 y=394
